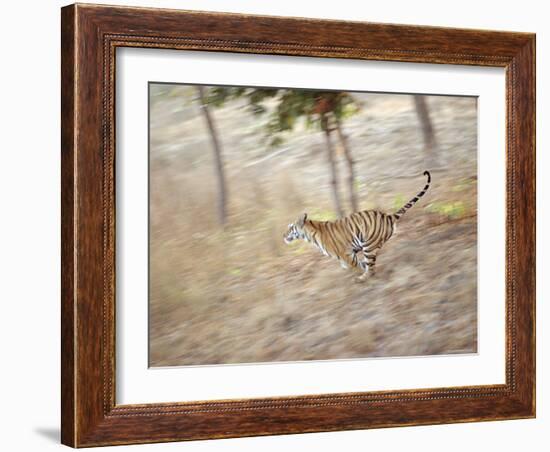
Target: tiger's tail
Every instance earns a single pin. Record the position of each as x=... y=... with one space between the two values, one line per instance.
x=413 y=201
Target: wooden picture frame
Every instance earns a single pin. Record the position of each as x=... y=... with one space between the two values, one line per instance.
x=90 y=36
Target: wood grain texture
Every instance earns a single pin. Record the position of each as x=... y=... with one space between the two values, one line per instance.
x=67 y=226
x=90 y=36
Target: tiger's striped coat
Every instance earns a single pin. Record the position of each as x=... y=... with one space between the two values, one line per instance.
x=354 y=240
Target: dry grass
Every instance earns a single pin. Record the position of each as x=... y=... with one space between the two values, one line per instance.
x=240 y=294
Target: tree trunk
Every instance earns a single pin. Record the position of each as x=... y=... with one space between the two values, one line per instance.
x=350 y=162
x=222 y=186
x=333 y=172
x=427 y=129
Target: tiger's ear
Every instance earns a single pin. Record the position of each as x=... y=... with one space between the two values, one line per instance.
x=302 y=220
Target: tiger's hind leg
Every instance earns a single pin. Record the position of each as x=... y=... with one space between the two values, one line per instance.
x=371 y=262
x=367 y=264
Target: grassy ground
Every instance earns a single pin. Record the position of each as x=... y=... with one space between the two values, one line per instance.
x=242 y=295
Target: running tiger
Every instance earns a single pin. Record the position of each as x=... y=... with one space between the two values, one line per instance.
x=354 y=240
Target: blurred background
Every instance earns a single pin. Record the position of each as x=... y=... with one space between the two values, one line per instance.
x=231 y=167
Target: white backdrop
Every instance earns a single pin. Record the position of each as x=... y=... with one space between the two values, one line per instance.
x=138 y=384
x=30 y=225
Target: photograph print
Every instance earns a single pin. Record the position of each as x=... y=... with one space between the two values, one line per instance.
x=298 y=225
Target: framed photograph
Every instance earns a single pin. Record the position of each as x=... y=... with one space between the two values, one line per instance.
x=281 y=225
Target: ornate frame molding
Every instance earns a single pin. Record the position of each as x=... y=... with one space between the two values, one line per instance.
x=90 y=37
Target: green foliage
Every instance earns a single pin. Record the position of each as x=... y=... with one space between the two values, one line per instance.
x=323 y=215
x=217 y=96
x=346 y=106
x=234 y=271
x=398 y=202
x=276 y=141
x=453 y=209
x=291 y=107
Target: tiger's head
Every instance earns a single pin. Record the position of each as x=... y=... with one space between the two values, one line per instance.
x=295 y=230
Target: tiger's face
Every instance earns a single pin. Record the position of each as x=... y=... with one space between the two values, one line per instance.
x=293 y=233
x=295 y=230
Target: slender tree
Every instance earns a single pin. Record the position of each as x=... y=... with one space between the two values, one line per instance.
x=350 y=163
x=216 y=146
x=325 y=125
x=430 y=143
